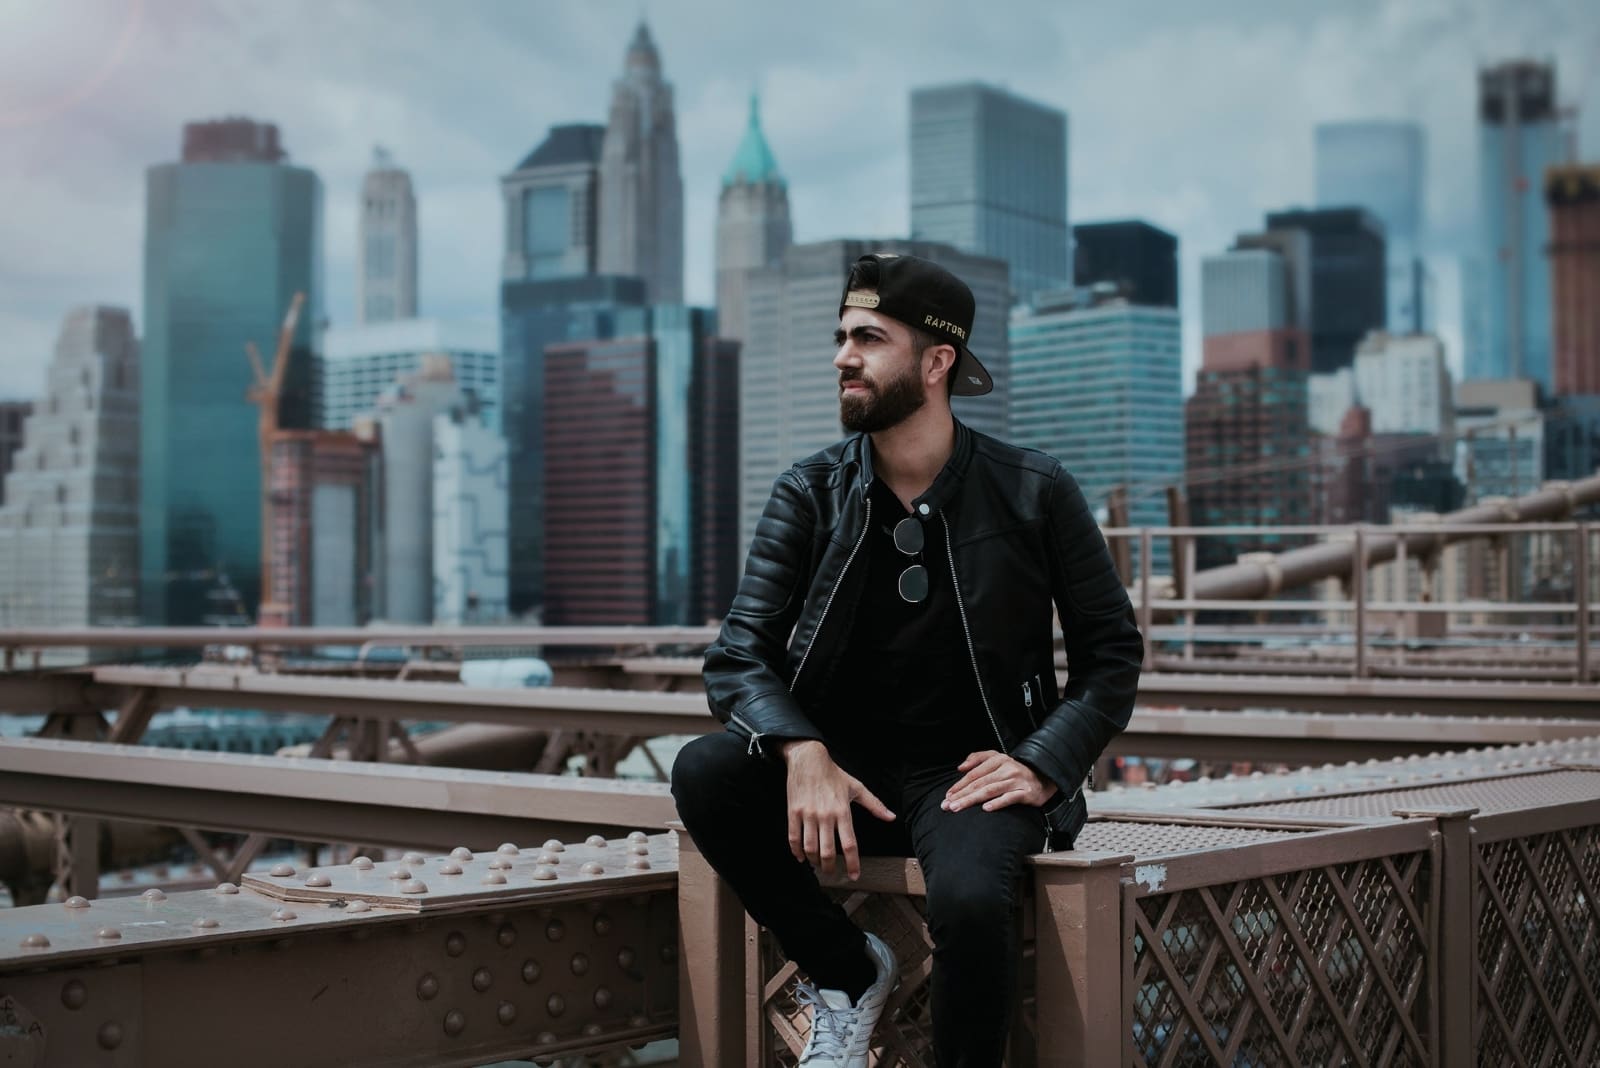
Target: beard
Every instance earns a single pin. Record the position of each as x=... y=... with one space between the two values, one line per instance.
x=881 y=406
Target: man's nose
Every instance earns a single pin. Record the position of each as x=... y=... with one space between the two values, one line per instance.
x=847 y=356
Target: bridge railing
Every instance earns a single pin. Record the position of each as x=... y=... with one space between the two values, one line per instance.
x=1417 y=597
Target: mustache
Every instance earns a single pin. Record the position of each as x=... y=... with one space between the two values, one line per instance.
x=854 y=376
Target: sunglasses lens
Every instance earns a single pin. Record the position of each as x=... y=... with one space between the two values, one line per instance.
x=908 y=535
x=914 y=584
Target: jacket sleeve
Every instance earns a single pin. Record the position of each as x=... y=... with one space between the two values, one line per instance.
x=1104 y=648
x=744 y=667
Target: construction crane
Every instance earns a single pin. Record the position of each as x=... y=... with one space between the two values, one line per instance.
x=265 y=394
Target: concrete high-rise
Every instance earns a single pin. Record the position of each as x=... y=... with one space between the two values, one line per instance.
x=631 y=422
x=1380 y=166
x=360 y=362
x=1573 y=194
x=552 y=206
x=69 y=528
x=13 y=417
x=641 y=184
x=989 y=176
x=788 y=387
x=471 y=581
x=1405 y=383
x=232 y=232
x=1519 y=138
x=405 y=415
x=1139 y=260
x=753 y=226
x=1347 y=281
x=386 y=279
x=1097 y=383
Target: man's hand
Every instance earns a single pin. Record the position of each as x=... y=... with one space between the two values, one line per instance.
x=997 y=781
x=819 y=807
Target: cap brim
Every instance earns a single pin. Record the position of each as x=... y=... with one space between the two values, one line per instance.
x=972 y=378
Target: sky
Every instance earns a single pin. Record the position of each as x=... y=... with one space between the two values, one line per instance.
x=1196 y=117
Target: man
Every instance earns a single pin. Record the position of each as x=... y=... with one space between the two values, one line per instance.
x=887 y=676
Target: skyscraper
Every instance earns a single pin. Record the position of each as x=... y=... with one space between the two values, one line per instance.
x=552 y=201
x=1246 y=433
x=989 y=176
x=753 y=227
x=69 y=528
x=788 y=386
x=1097 y=383
x=533 y=315
x=232 y=232
x=549 y=293
x=1518 y=140
x=1347 y=279
x=386 y=282
x=1139 y=260
x=1573 y=193
x=631 y=420
x=641 y=186
x=1380 y=166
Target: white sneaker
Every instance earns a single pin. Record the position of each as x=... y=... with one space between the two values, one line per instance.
x=841 y=1032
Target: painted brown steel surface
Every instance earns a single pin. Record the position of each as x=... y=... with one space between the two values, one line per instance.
x=232 y=976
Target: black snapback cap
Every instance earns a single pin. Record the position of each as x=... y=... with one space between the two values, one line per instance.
x=923 y=295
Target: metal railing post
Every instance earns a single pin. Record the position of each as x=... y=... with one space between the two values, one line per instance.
x=1146 y=614
x=1580 y=589
x=711 y=962
x=1188 y=594
x=1453 y=937
x=1079 y=953
x=1358 y=587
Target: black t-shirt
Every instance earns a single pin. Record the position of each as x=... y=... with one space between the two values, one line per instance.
x=905 y=685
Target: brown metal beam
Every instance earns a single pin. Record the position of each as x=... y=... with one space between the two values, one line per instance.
x=320 y=801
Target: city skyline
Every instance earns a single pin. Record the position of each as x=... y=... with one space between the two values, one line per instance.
x=1191 y=168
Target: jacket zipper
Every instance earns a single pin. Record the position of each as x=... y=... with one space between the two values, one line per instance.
x=754 y=747
x=866 y=525
x=972 y=652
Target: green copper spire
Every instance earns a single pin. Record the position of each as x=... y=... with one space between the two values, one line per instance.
x=753 y=162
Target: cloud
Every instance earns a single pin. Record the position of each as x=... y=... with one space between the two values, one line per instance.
x=1196 y=117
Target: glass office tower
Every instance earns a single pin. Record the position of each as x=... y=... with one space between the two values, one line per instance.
x=232 y=232
x=989 y=176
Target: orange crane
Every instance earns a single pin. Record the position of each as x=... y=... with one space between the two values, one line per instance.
x=265 y=394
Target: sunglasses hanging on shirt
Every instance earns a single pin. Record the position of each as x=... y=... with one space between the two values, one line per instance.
x=908 y=538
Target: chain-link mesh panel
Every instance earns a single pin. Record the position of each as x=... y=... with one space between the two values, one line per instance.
x=1538 y=961
x=1326 y=966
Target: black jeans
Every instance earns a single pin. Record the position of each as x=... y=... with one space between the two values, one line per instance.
x=735 y=807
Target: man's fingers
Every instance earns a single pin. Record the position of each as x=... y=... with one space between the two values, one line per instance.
x=978 y=771
x=1006 y=800
x=974 y=759
x=825 y=851
x=810 y=840
x=869 y=801
x=797 y=844
x=847 y=845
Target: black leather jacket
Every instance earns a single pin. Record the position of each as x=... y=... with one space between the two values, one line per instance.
x=1021 y=539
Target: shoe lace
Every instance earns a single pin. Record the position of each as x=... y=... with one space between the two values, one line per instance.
x=830 y=1027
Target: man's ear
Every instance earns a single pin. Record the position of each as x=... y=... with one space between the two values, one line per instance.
x=944 y=360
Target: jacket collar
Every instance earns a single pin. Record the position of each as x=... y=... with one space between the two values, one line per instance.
x=945 y=485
